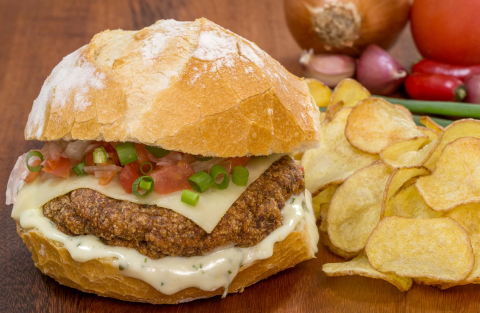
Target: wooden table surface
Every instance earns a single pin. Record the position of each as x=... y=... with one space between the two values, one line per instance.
x=36 y=35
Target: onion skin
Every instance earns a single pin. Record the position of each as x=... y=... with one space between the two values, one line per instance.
x=379 y=72
x=472 y=83
x=376 y=22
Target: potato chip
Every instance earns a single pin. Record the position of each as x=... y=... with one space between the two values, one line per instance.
x=360 y=266
x=456 y=178
x=468 y=217
x=429 y=123
x=407 y=153
x=404 y=110
x=437 y=250
x=334 y=109
x=322 y=201
x=458 y=129
x=355 y=208
x=375 y=124
x=319 y=91
x=350 y=92
x=336 y=159
x=408 y=203
x=430 y=133
x=399 y=177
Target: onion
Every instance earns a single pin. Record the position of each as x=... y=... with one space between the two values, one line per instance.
x=102 y=168
x=205 y=165
x=345 y=26
x=16 y=179
x=329 y=69
x=379 y=72
x=76 y=149
x=472 y=83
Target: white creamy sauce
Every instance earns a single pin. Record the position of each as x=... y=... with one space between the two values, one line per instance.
x=172 y=274
x=211 y=207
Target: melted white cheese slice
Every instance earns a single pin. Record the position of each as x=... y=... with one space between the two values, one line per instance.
x=211 y=207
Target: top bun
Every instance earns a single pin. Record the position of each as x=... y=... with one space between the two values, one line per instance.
x=192 y=87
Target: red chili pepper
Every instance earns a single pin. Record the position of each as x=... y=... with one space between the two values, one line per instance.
x=434 y=67
x=435 y=87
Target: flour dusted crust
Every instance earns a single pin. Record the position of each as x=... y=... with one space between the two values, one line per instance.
x=100 y=277
x=186 y=86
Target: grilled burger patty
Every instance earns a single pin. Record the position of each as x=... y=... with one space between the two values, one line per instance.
x=157 y=232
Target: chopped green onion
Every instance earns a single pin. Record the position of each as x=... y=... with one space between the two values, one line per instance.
x=126 y=153
x=217 y=170
x=190 y=197
x=100 y=155
x=157 y=151
x=240 y=176
x=149 y=170
x=438 y=107
x=78 y=169
x=201 y=181
x=34 y=168
x=203 y=159
x=145 y=182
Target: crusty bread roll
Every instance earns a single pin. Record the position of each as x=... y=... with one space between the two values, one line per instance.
x=100 y=277
x=192 y=87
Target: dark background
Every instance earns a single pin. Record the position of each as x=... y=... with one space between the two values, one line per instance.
x=36 y=35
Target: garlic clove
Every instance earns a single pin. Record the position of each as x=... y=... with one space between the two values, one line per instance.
x=327 y=68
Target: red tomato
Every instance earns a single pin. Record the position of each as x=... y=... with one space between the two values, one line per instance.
x=103 y=181
x=127 y=176
x=32 y=175
x=141 y=153
x=172 y=178
x=447 y=30
x=241 y=161
x=60 y=168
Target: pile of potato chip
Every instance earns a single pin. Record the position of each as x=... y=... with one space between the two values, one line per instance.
x=401 y=201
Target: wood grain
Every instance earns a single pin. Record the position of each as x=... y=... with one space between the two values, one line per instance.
x=36 y=35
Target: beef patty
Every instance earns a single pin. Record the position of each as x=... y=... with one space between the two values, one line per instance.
x=157 y=232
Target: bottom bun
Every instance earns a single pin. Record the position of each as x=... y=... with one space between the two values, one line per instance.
x=100 y=277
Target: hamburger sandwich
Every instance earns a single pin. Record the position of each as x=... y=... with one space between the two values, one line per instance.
x=167 y=174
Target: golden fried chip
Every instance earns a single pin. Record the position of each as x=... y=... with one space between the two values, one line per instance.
x=407 y=153
x=456 y=178
x=355 y=208
x=404 y=110
x=322 y=201
x=399 y=177
x=336 y=159
x=430 y=133
x=458 y=129
x=360 y=266
x=350 y=92
x=375 y=124
x=437 y=250
x=468 y=217
x=334 y=109
x=431 y=124
x=408 y=203
x=319 y=91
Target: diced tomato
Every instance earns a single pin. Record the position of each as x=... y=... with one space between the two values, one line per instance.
x=60 y=167
x=127 y=176
x=103 y=181
x=172 y=178
x=32 y=175
x=240 y=161
x=141 y=153
x=89 y=160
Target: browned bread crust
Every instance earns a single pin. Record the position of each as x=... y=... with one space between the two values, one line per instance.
x=192 y=87
x=100 y=277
